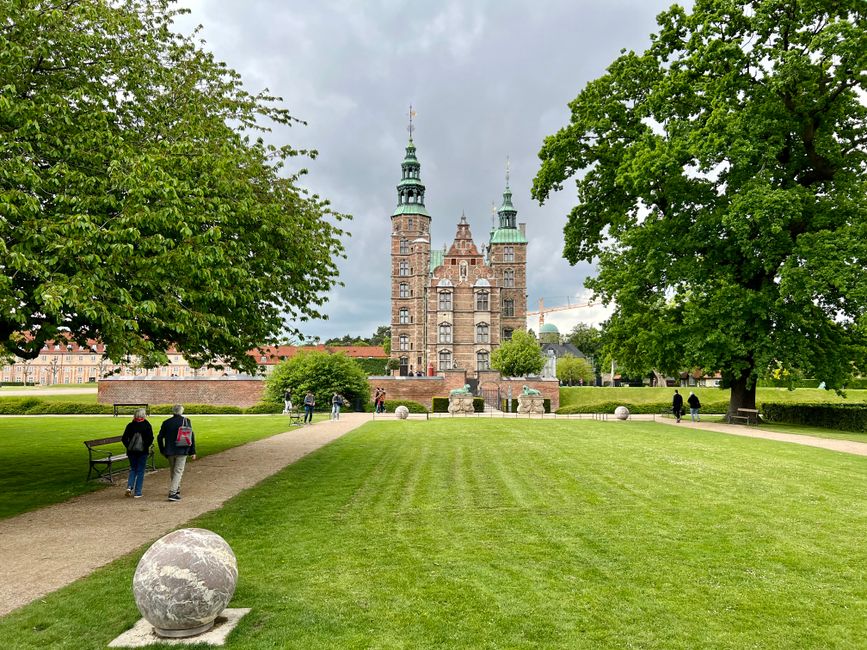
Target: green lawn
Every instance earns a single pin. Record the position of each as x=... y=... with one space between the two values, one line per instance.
x=78 y=398
x=589 y=395
x=526 y=534
x=45 y=461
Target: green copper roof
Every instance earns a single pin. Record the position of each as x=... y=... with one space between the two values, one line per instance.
x=410 y=208
x=507 y=202
x=508 y=236
x=436 y=259
x=549 y=328
x=410 y=181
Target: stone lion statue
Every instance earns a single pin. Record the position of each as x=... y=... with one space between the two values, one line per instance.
x=530 y=391
x=461 y=391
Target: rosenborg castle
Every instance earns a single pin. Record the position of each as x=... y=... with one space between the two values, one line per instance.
x=451 y=307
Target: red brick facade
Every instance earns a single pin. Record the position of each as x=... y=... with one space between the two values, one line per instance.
x=218 y=391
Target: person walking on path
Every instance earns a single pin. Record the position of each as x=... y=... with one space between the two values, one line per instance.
x=336 y=402
x=694 y=406
x=677 y=404
x=177 y=441
x=309 y=403
x=137 y=438
x=287 y=401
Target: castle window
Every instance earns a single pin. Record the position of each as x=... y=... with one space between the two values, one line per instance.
x=445 y=333
x=509 y=278
x=445 y=360
x=508 y=308
x=404 y=247
x=403 y=290
x=403 y=268
x=445 y=301
x=403 y=342
x=482 y=301
x=507 y=334
x=482 y=360
x=410 y=223
x=403 y=316
x=482 y=333
x=509 y=254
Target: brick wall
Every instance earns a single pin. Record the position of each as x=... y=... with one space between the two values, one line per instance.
x=228 y=392
x=424 y=389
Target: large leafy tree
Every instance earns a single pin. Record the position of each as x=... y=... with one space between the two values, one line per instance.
x=574 y=370
x=320 y=372
x=721 y=186
x=139 y=203
x=519 y=356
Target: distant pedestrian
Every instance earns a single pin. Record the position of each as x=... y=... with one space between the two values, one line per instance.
x=309 y=403
x=694 y=406
x=336 y=403
x=177 y=442
x=677 y=405
x=137 y=438
x=287 y=401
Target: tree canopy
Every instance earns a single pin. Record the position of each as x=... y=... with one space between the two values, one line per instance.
x=721 y=190
x=573 y=370
x=519 y=356
x=320 y=372
x=140 y=204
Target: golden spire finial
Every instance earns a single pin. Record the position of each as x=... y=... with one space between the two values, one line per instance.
x=411 y=128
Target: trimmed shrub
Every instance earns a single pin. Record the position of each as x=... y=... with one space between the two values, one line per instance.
x=264 y=407
x=843 y=417
x=196 y=409
x=478 y=404
x=440 y=405
x=858 y=383
x=391 y=404
x=707 y=406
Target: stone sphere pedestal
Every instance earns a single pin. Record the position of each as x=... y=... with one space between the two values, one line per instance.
x=401 y=412
x=461 y=404
x=184 y=581
x=531 y=404
x=621 y=413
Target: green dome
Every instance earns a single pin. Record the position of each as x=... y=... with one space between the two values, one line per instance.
x=549 y=328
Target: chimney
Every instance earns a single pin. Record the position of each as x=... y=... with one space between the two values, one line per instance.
x=523 y=228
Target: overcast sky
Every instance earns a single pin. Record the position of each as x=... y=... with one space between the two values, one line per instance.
x=488 y=79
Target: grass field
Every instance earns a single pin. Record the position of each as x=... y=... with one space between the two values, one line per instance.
x=506 y=534
x=589 y=395
x=45 y=461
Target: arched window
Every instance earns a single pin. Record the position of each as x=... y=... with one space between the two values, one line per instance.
x=403 y=316
x=403 y=342
x=482 y=333
x=509 y=278
x=482 y=360
x=403 y=268
x=404 y=247
x=508 y=254
x=445 y=332
x=445 y=301
x=445 y=360
x=403 y=290
x=508 y=308
x=482 y=301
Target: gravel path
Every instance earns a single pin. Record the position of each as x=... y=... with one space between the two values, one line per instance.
x=44 y=550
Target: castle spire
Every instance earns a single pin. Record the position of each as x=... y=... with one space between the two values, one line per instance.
x=410 y=190
x=507 y=211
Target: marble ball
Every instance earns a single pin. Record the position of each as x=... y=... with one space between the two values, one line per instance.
x=184 y=580
x=621 y=413
x=402 y=412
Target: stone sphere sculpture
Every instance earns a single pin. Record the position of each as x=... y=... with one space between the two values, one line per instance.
x=621 y=413
x=401 y=412
x=184 y=580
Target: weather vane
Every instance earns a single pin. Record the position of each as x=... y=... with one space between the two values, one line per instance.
x=508 y=166
x=411 y=128
x=493 y=214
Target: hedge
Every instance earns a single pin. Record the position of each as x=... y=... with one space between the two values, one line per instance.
x=35 y=406
x=842 y=417
x=708 y=406
x=391 y=404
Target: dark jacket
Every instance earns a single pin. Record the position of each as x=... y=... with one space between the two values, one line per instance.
x=169 y=434
x=693 y=402
x=677 y=402
x=147 y=436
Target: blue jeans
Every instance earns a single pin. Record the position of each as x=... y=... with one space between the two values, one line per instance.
x=137 y=465
x=694 y=414
x=308 y=413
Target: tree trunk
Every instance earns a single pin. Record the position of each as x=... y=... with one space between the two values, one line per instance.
x=741 y=396
x=660 y=379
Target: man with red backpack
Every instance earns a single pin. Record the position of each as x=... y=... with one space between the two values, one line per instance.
x=177 y=441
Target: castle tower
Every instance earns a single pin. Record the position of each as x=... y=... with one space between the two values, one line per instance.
x=507 y=256
x=410 y=265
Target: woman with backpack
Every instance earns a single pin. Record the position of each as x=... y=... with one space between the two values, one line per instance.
x=137 y=438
